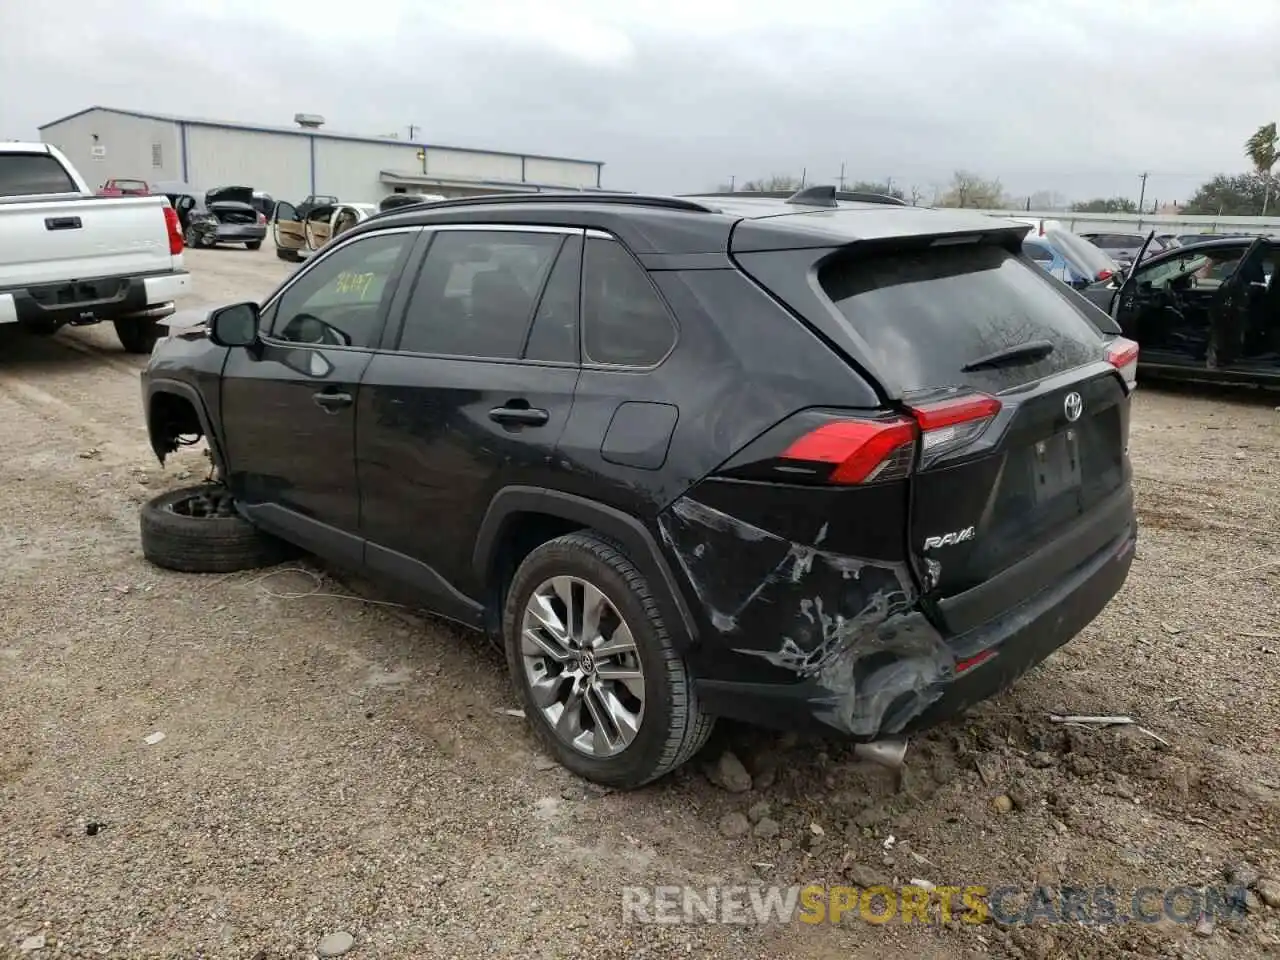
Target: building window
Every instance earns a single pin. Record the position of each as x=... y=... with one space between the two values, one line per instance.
x=157 y=155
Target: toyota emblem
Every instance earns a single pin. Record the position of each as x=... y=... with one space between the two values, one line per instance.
x=1073 y=406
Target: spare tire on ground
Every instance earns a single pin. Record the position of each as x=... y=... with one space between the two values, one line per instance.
x=197 y=530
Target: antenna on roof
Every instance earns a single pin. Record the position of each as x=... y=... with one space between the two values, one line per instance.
x=817 y=196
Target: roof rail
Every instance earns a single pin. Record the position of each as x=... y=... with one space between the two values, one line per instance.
x=817 y=196
x=576 y=196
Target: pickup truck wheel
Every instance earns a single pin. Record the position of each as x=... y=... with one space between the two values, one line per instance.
x=601 y=681
x=197 y=530
x=253 y=245
x=137 y=334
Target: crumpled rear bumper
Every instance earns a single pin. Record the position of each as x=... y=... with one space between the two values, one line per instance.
x=859 y=656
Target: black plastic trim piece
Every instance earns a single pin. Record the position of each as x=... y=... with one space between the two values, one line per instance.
x=631 y=534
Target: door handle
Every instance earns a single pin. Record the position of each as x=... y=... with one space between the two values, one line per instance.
x=529 y=416
x=331 y=402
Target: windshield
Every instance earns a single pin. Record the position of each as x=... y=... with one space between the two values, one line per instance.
x=1082 y=253
x=1202 y=269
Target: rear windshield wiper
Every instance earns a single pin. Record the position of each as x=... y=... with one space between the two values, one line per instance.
x=1023 y=353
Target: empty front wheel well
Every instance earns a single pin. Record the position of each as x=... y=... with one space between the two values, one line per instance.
x=173 y=422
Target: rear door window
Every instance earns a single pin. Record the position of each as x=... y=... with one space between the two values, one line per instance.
x=24 y=174
x=477 y=293
x=925 y=314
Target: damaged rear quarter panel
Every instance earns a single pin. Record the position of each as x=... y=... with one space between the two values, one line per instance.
x=847 y=625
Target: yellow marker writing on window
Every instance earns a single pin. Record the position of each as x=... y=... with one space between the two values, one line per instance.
x=357 y=283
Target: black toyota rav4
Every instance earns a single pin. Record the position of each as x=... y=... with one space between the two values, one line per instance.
x=805 y=462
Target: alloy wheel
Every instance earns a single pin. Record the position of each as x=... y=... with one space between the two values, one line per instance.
x=582 y=666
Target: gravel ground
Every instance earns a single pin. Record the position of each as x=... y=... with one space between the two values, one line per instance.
x=335 y=764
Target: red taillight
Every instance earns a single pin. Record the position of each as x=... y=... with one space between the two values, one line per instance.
x=1105 y=274
x=955 y=410
x=1122 y=354
x=866 y=451
x=862 y=450
x=262 y=217
x=947 y=425
x=968 y=663
x=175 y=230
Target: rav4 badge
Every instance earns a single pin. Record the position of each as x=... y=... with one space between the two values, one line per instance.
x=950 y=539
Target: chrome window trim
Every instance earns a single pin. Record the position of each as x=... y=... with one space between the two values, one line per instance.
x=320 y=257
x=587 y=362
x=506 y=228
x=273 y=301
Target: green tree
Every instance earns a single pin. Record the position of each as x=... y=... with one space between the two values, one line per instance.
x=1105 y=205
x=1261 y=149
x=1244 y=195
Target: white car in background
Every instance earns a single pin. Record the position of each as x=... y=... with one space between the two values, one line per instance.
x=296 y=238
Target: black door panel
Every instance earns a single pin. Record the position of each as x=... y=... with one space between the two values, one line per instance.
x=283 y=446
x=288 y=403
x=438 y=433
x=432 y=454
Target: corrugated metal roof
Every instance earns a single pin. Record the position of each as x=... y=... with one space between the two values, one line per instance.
x=529 y=186
x=300 y=132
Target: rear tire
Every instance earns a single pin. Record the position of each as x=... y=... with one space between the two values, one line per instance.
x=176 y=536
x=253 y=245
x=137 y=334
x=672 y=726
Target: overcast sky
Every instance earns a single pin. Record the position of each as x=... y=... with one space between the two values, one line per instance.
x=1077 y=96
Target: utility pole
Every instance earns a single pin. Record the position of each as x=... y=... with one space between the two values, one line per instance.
x=841 y=176
x=888 y=186
x=413 y=131
x=803 y=173
x=733 y=180
x=1143 y=195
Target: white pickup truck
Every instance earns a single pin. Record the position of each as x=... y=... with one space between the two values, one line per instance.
x=69 y=257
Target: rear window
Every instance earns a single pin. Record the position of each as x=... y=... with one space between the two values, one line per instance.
x=1082 y=252
x=22 y=174
x=926 y=314
x=1113 y=241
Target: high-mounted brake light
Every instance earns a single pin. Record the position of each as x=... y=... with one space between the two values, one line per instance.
x=175 y=230
x=868 y=451
x=1122 y=353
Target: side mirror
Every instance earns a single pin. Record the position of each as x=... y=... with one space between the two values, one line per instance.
x=234 y=326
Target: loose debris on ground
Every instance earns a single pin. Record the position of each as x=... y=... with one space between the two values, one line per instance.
x=265 y=767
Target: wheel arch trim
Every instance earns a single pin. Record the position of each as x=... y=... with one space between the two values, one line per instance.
x=641 y=547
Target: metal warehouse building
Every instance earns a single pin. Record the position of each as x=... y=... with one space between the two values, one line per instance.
x=292 y=162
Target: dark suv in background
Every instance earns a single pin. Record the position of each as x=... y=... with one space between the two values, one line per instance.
x=849 y=466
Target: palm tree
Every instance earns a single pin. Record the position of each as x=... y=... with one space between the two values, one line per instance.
x=1263 y=149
